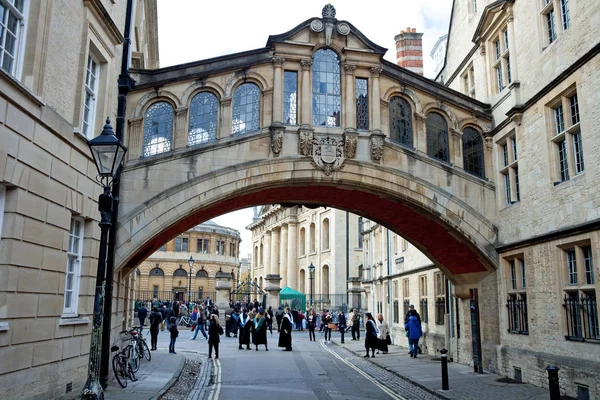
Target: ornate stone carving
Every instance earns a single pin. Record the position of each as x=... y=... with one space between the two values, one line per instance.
x=377 y=143
x=328 y=153
x=328 y=11
x=305 y=140
x=277 y=61
x=482 y=48
x=343 y=28
x=306 y=63
x=350 y=143
x=349 y=68
x=376 y=71
x=489 y=143
x=277 y=131
x=316 y=25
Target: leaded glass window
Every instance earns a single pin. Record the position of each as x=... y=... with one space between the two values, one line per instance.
x=437 y=137
x=290 y=98
x=203 y=118
x=246 y=109
x=401 y=122
x=473 y=152
x=362 y=104
x=12 y=24
x=158 y=129
x=180 y=272
x=327 y=93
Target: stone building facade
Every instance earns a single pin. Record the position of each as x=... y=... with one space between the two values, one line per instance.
x=165 y=275
x=60 y=64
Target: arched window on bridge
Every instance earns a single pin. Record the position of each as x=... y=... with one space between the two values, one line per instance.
x=246 y=109
x=327 y=92
x=437 y=137
x=158 y=129
x=203 y=118
x=180 y=272
x=156 y=272
x=472 y=143
x=401 y=122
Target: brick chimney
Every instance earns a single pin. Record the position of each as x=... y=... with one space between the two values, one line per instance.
x=409 y=50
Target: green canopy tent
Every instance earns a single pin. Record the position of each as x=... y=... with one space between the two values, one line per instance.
x=291 y=298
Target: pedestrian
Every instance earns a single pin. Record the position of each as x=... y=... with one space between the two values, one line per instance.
x=169 y=312
x=356 y=325
x=311 y=321
x=371 y=342
x=155 y=321
x=215 y=310
x=174 y=333
x=214 y=332
x=260 y=330
x=235 y=315
x=200 y=325
x=325 y=321
x=142 y=313
x=269 y=317
x=279 y=316
x=350 y=318
x=383 y=334
x=295 y=318
x=245 y=329
x=176 y=309
x=411 y=309
x=228 y=320
x=342 y=324
x=413 y=327
x=285 y=335
x=301 y=318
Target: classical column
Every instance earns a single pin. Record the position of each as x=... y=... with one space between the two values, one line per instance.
x=350 y=109
x=225 y=120
x=305 y=111
x=267 y=253
x=456 y=148
x=511 y=44
x=180 y=136
x=420 y=133
x=283 y=253
x=223 y=289
x=376 y=98
x=277 y=89
x=488 y=148
x=274 y=269
x=135 y=138
x=292 y=256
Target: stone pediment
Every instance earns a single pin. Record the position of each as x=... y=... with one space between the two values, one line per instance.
x=327 y=31
x=489 y=16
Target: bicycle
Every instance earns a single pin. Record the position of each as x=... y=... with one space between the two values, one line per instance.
x=128 y=341
x=140 y=343
x=185 y=320
x=122 y=366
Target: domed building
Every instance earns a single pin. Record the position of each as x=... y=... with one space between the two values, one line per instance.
x=165 y=275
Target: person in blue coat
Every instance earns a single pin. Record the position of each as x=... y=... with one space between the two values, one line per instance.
x=413 y=327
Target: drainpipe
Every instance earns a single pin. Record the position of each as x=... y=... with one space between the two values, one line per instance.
x=389 y=273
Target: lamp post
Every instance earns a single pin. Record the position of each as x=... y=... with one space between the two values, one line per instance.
x=191 y=264
x=311 y=271
x=108 y=153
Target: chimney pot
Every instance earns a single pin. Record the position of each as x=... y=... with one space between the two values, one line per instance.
x=414 y=30
x=409 y=50
x=408 y=29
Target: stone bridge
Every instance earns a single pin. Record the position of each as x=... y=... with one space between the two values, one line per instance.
x=315 y=117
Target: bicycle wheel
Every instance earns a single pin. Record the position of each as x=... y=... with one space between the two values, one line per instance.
x=119 y=371
x=144 y=350
x=131 y=374
x=133 y=358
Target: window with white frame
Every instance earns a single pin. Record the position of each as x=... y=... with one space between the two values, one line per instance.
x=12 y=28
x=90 y=98
x=516 y=302
x=556 y=18
x=468 y=80
x=509 y=170
x=502 y=75
x=73 y=272
x=566 y=137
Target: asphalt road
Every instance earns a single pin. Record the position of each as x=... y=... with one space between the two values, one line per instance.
x=310 y=371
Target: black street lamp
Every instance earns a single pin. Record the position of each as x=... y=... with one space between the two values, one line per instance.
x=311 y=271
x=191 y=264
x=108 y=152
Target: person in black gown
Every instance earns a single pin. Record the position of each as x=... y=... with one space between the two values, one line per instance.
x=285 y=334
x=371 y=340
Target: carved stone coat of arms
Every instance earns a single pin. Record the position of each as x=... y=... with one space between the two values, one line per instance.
x=328 y=153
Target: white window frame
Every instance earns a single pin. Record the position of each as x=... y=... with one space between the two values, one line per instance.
x=91 y=92
x=17 y=67
x=500 y=60
x=509 y=170
x=77 y=253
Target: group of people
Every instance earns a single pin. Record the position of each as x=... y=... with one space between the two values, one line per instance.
x=377 y=335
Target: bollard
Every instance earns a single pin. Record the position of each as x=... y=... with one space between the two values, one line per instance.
x=553 y=382
x=444 y=356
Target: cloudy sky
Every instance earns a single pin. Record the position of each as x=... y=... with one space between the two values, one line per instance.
x=191 y=30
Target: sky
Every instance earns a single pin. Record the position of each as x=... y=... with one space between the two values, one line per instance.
x=191 y=30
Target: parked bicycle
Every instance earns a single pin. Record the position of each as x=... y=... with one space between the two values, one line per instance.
x=128 y=342
x=122 y=366
x=185 y=320
x=140 y=342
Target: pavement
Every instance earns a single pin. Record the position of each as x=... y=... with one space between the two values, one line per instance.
x=425 y=372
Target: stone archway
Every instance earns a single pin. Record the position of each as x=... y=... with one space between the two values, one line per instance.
x=450 y=232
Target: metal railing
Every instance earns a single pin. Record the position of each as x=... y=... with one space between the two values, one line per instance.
x=516 y=305
x=582 y=317
x=440 y=310
x=335 y=302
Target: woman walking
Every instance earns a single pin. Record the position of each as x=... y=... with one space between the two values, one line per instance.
x=413 y=326
x=326 y=320
x=245 y=327
x=311 y=322
x=371 y=341
x=155 y=321
x=260 y=330
x=214 y=331
x=342 y=324
x=285 y=334
x=383 y=328
x=200 y=325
